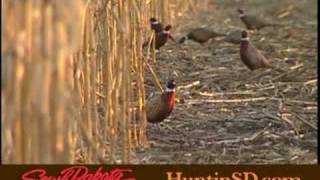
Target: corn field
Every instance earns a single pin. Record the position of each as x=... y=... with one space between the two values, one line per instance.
x=73 y=78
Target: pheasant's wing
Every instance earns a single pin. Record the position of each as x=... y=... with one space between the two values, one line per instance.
x=258 y=23
x=153 y=106
x=159 y=28
x=264 y=62
x=202 y=34
x=160 y=40
x=261 y=60
x=234 y=37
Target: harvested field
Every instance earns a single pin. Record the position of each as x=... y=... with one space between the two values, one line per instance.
x=227 y=114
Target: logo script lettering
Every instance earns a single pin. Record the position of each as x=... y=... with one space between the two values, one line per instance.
x=78 y=173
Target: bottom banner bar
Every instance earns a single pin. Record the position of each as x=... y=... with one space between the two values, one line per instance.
x=161 y=172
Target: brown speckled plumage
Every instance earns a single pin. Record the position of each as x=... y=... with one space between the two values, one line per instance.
x=200 y=35
x=251 y=56
x=160 y=105
x=233 y=37
x=252 y=22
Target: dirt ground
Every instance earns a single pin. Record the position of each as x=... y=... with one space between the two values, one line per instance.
x=227 y=114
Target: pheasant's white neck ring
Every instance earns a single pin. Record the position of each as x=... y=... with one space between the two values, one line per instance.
x=166 y=32
x=170 y=90
x=241 y=15
x=245 y=39
x=155 y=22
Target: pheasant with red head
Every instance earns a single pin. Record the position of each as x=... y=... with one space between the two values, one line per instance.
x=161 y=38
x=160 y=106
x=251 y=56
x=252 y=22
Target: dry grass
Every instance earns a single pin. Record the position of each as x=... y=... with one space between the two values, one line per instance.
x=72 y=73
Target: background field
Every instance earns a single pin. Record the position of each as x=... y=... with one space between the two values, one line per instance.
x=227 y=118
